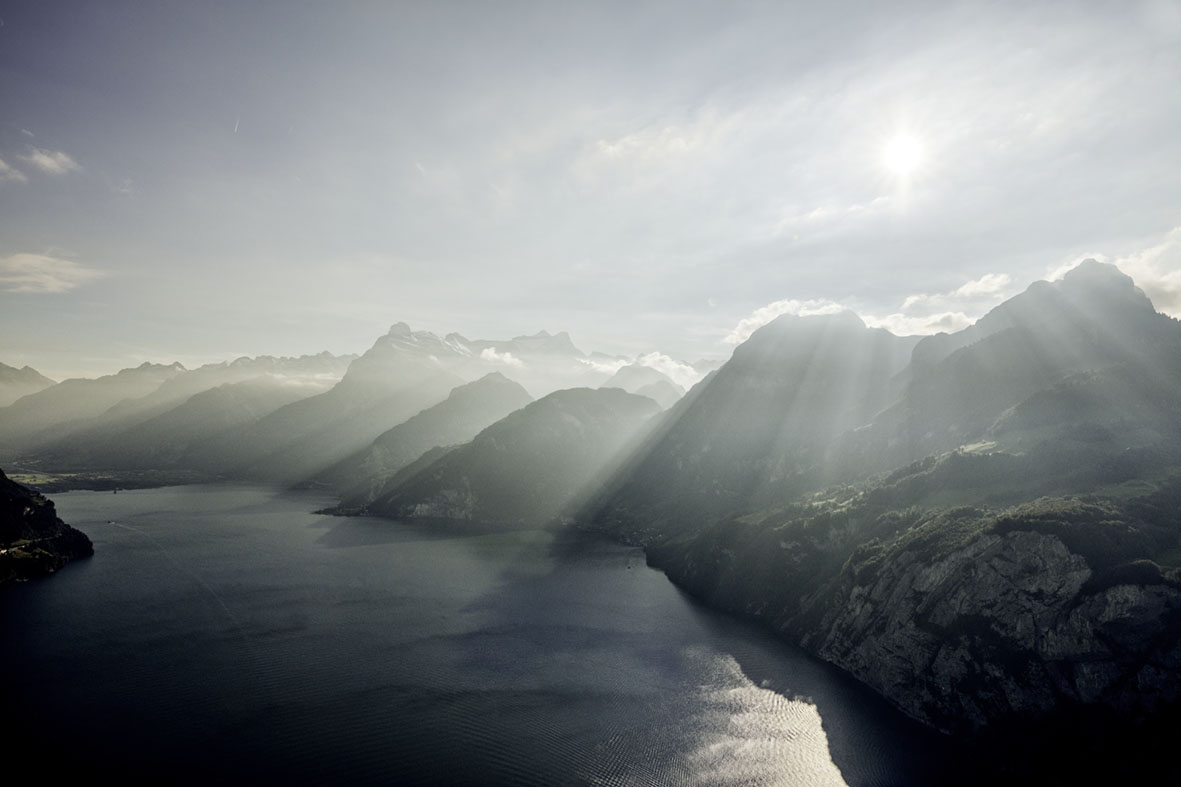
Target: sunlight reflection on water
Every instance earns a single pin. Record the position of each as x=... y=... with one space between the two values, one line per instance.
x=754 y=735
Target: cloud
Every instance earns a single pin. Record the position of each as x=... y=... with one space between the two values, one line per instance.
x=679 y=372
x=8 y=173
x=920 y=314
x=901 y=324
x=506 y=358
x=761 y=316
x=40 y=273
x=605 y=367
x=1157 y=271
x=989 y=287
x=53 y=162
x=932 y=312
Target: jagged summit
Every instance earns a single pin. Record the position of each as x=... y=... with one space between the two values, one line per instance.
x=148 y=366
x=1102 y=284
x=15 y=383
x=1092 y=297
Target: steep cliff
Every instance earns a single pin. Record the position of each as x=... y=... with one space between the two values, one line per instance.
x=33 y=541
x=966 y=617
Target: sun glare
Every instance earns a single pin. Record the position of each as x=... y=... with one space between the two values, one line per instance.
x=903 y=154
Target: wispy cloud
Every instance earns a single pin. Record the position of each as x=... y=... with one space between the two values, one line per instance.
x=40 y=273
x=763 y=315
x=53 y=162
x=988 y=288
x=8 y=173
x=934 y=312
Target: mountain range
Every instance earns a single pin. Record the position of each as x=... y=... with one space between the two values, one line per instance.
x=982 y=526
x=985 y=531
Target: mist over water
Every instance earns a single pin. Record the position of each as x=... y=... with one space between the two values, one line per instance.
x=224 y=632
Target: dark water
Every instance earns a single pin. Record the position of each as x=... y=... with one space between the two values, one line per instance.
x=225 y=633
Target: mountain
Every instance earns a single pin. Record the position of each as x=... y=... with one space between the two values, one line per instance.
x=528 y=468
x=646 y=381
x=311 y=373
x=15 y=383
x=960 y=384
x=108 y=423
x=988 y=537
x=665 y=393
x=761 y=425
x=403 y=373
x=163 y=442
x=29 y=418
x=33 y=540
x=152 y=431
x=466 y=411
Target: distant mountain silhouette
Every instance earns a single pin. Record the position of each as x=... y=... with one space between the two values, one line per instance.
x=25 y=421
x=467 y=410
x=646 y=381
x=15 y=383
x=528 y=468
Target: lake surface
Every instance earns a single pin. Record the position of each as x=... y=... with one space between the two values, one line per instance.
x=224 y=632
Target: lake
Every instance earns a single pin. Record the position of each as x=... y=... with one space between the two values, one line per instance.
x=227 y=633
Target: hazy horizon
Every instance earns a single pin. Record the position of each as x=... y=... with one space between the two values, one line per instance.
x=208 y=182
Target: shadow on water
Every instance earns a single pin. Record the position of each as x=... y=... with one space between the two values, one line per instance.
x=363 y=531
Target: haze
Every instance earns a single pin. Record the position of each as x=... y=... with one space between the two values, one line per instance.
x=198 y=182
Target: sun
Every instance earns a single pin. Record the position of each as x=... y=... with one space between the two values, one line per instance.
x=903 y=154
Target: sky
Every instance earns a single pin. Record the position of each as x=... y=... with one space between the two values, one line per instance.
x=197 y=181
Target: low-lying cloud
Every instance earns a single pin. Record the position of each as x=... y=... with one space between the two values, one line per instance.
x=506 y=358
x=679 y=372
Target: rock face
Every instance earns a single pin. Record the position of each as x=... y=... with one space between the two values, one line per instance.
x=33 y=541
x=1003 y=628
x=965 y=618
